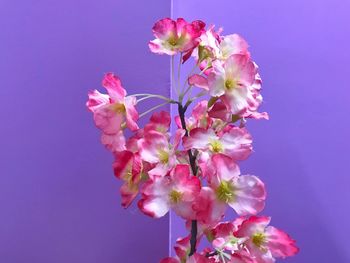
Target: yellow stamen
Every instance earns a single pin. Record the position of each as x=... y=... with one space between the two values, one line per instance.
x=216 y=146
x=118 y=108
x=230 y=84
x=225 y=192
x=163 y=156
x=175 y=196
x=258 y=239
x=172 y=41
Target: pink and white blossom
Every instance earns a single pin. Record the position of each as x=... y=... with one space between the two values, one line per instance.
x=244 y=193
x=175 y=191
x=234 y=142
x=231 y=45
x=209 y=211
x=194 y=171
x=265 y=243
x=156 y=149
x=232 y=81
x=112 y=110
x=198 y=119
x=128 y=167
x=173 y=36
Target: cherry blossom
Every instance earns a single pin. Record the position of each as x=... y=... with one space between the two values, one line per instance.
x=175 y=36
x=234 y=142
x=156 y=149
x=128 y=167
x=244 y=193
x=199 y=117
x=194 y=170
x=110 y=111
x=174 y=191
x=264 y=242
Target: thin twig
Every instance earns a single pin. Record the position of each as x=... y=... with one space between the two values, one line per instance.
x=152 y=109
x=192 y=158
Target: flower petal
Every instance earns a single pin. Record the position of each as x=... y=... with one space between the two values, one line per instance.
x=250 y=195
x=280 y=243
x=198 y=81
x=114 y=87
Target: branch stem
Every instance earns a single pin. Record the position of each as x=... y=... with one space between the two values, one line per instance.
x=152 y=109
x=192 y=158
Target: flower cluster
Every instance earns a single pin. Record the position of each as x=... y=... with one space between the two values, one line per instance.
x=194 y=171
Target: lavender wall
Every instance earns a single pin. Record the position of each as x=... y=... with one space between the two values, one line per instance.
x=58 y=198
x=302 y=154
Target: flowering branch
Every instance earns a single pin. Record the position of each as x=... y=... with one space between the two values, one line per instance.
x=195 y=171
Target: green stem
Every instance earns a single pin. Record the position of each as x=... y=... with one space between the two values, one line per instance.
x=179 y=72
x=173 y=84
x=152 y=109
x=154 y=96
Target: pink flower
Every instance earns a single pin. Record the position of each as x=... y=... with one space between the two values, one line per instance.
x=265 y=242
x=182 y=247
x=170 y=260
x=195 y=258
x=220 y=111
x=213 y=47
x=175 y=36
x=110 y=111
x=245 y=194
x=175 y=191
x=128 y=167
x=199 y=117
x=223 y=239
x=234 y=142
x=96 y=99
x=209 y=47
x=209 y=211
x=159 y=121
x=114 y=142
x=233 y=81
x=156 y=149
x=252 y=110
x=231 y=45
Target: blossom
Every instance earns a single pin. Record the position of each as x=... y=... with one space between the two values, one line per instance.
x=232 y=81
x=231 y=45
x=175 y=191
x=241 y=102
x=244 y=193
x=110 y=111
x=96 y=99
x=223 y=240
x=234 y=142
x=213 y=46
x=252 y=110
x=199 y=117
x=114 y=142
x=159 y=121
x=199 y=179
x=175 y=36
x=209 y=211
x=156 y=149
x=128 y=167
x=220 y=111
x=182 y=250
x=195 y=258
x=208 y=48
x=265 y=242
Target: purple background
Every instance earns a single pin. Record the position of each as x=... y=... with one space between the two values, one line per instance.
x=59 y=199
x=302 y=48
